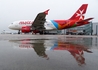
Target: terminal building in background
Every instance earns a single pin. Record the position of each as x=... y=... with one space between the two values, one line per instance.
x=95 y=28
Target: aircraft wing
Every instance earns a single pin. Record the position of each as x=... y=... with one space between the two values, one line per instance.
x=39 y=21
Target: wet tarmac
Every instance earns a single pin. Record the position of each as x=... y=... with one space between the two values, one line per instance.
x=48 y=52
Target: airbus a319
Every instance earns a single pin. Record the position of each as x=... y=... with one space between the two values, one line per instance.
x=40 y=23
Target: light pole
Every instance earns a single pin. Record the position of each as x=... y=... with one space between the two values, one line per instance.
x=96 y=29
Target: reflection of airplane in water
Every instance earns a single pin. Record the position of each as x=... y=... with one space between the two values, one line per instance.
x=76 y=50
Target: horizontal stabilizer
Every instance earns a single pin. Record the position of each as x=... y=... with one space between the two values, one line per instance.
x=86 y=20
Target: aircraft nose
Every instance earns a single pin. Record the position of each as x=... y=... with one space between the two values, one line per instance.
x=10 y=27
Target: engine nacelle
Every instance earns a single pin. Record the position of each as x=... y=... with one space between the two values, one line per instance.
x=26 y=29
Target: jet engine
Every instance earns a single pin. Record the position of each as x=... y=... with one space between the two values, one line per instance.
x=26 y=29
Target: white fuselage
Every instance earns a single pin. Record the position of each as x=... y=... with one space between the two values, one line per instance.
x=17 y=25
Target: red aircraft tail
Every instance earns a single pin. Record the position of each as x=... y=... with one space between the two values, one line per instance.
x=79 y=14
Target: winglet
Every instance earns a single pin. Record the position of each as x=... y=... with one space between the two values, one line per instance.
x=46 y=12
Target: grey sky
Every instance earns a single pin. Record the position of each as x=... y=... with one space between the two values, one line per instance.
x=13 y=10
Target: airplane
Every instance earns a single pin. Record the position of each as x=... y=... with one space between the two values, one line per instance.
x=40 y=24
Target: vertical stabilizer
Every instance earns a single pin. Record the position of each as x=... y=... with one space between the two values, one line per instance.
x=80 y=13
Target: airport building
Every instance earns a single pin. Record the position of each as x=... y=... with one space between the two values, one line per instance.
x=95 y=28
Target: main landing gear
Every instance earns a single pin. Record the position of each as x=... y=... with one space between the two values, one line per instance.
x=42 y=32
x=19 y=32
